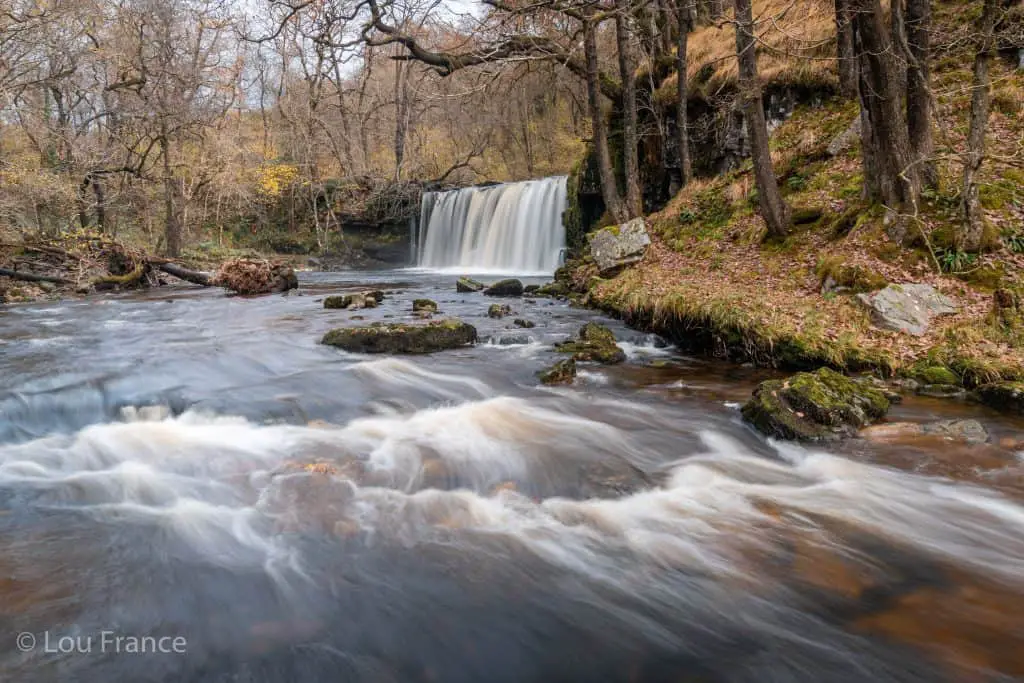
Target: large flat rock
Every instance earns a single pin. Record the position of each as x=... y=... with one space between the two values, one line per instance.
x=907 y=308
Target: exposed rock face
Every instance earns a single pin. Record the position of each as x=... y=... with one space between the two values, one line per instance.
x=618 y=246
x=562 y=372
x=906 y=308
x=464 y=285
x=353 y=301
x=505 y=288
x=424 y=306
x=594 y=342
x=1006 y=397
x=814 y=406
x=499 y=310
x=402 y=338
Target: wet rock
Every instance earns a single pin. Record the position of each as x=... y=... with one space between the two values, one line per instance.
x=906 y=308
x=499 y=310
x=351 y=301
x=814 y=406
x=554 y=290
x=525 y=324
x=618 y=246
x=465 y=285
x=1006 y=397
x=402 y=338
x=511 y=287
x=593 y=342
x=562 y=372
x=530 y=289
x=967 y=431
x=376 y=294
x=941 y=391
x=424 y=305
x=511 y=339
x=936 y=374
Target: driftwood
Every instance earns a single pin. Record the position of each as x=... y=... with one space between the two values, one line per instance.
x=193 y=276
x=31 y=277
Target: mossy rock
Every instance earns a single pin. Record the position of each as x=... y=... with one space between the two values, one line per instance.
x=806 y=215
x=814 y=406
x=554 y=290
x=353 y=301
x=562 y=372
x=1006 y=397
x=988 y=277
x=465 y=285
x=499 y=310
x=530 y=289
x=834 y=275
x=595 y=343
x=400 y=338
x=511 y=287
x=424 y=306
x=523 y=323
x=935 y=374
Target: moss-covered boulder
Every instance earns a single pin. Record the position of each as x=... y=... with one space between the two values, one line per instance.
x=465 y=285
x=554 y=290
x=562 y=372
x=424 y=306
x=510 y=287
x=530 y=289
x=499 y=310
x=352 y=301
x=402 y=338
x=935 y=374
x=814 y=406
x=523 y=323
x=594 y=342
x=1006 y=397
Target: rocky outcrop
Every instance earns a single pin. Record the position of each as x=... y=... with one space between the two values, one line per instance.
x=424 y=306
x=505 y=288
x=402 y=338
x=465 y=285
x=595 y=343
x=499 y=310
x=1006 y=397
x=906 y=308
x=618 y=246
x=562 y=372
x=814 y=406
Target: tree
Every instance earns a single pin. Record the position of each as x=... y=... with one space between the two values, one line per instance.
x=627 y=74
x=609 y=189
x=684 y=19
x=845 y=54
x=774 y=210
x=919 y=97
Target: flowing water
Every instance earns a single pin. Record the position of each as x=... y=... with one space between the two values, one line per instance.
x=194 y=466
x=510 y=228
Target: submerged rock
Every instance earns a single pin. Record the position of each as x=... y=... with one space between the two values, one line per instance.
x=402 y=338
x=465 y=285
x=618 y=246
x=814 y=406
x=593 y=342
x=499 y=310
x=968 y=431
x=351 y=301
x=562 y=372
x=525 y=324
x=906 y=308
x=424 y=305
x=1006 y=397
x=505 y=288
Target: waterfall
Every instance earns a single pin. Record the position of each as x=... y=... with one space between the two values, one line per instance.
x=513 y=227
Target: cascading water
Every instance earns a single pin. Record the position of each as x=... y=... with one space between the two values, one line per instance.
x=513 y=227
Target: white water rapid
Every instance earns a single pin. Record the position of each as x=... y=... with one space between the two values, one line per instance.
x=513 y=227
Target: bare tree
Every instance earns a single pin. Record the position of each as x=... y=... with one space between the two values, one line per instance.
x=627 y=75
x=684 y=19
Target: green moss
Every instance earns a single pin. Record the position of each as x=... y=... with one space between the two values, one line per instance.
x=856 y=278
x=934 y=374
x=807 y=215
x=402 y=338
x=562 y=372
x=498 y=310
x=594 y=342
x=988 y=277
x=424 y=306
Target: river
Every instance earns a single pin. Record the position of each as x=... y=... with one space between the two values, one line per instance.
x=195 y=473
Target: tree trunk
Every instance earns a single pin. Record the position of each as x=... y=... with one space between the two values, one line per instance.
x=774 y=210
x=609 y=190
x=684 y=17
x=919 y=119
x=630 y=145
x=898 y=38
x=172 y=227
x=972 y=234
x=193 y=276
x=889 y=175
x=845 y=54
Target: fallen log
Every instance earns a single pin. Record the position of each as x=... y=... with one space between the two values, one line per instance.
x=193 y=276
x=127 y=280
x=32 y=277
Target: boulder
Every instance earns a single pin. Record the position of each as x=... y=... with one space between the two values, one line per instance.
x=351 y=301
x=402 y=338
x=969 y=431
x=465 y=285
x=562 y=372
x=505 y=288
x=845 y=141
x=814 y=406
x=593 y=342
x=1006 y=397
x=511 y=339
x=554 y=290
x=618 y=246
x=525 y=324
x=424 y=306
x=530 y=289
x=906 y=308
x=499 y=310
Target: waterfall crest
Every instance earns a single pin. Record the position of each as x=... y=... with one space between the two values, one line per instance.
x=512 y=227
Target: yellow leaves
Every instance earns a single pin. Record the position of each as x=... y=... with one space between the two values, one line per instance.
x=272 y=179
